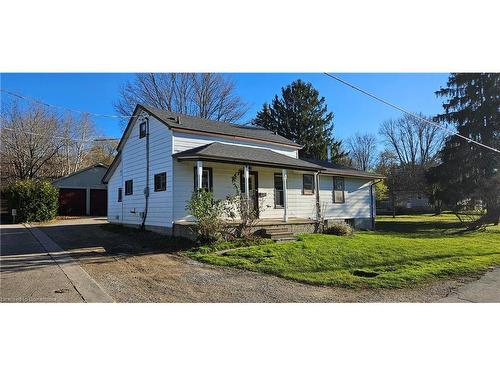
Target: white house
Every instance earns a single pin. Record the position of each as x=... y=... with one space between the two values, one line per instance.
x=163 y=156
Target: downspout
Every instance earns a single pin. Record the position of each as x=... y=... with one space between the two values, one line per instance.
x=318 y=206
x=146 y=189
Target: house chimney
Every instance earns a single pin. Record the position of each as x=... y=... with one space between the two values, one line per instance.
x=179 y=120
x=329 y=153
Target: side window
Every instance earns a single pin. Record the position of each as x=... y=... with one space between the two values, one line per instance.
x=338 y=190
x=161 y=181
x=129 y=187
x=307 y=184
x=120 y=194
x=278 y=191
x=206 y=179
x=142 y=129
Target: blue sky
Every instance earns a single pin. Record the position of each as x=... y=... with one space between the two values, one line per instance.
x=353 y=111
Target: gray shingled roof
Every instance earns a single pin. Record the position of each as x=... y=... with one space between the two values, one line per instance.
x=216 y=127
x=336 y=169
x=244 y=155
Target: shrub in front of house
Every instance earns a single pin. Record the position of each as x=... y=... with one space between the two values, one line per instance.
x=339 y=229
x=34 y=200
x=209 y=216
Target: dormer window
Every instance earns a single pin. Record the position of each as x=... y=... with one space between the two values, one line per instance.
x=142 y=129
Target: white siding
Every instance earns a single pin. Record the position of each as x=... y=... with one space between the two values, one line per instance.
x=357 y=199
x=114 y=207
x=183 y=141
x=184 y=184
x=170 y=205
x=299 y=205
x=133 y=167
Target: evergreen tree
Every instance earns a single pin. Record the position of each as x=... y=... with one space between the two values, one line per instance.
x=302 y=116
x=469 y=173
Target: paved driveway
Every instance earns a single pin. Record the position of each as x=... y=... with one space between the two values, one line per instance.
x=130 y=271
x=27 y=272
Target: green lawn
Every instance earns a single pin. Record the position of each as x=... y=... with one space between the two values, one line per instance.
x=401 y=252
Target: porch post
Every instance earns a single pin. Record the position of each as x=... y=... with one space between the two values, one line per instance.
x=246 y=177
x=285 y=194
x=199 y=174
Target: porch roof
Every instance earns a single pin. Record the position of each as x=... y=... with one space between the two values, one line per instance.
x=220 y=152
x=340 y=170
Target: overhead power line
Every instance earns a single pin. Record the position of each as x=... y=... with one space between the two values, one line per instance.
x=19 y=96
x=90 y=140
x=433 y=123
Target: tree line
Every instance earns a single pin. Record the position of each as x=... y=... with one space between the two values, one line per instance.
x=416 y=157
x=38 y=143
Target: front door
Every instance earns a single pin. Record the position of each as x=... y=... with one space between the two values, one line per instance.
x=253 y=188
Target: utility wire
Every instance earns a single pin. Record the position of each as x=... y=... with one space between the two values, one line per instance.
x=61 y=137
x=19 y=96
x=433 y=123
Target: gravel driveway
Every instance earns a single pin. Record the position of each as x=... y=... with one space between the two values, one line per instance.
x=131 y=272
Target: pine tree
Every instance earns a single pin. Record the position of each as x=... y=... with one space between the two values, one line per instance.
x=302 y=116
x=469 y=173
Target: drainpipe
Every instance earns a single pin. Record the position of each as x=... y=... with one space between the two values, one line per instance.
x=318 y=206
x=146 y=189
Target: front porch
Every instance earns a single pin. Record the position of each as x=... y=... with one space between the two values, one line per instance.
x=294 y=225
x=280 y=188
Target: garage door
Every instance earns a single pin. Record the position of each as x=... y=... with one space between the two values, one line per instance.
x=98 y=202
x=72 y=202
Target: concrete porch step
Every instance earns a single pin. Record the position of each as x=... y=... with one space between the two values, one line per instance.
x=279 y=234
x=278 y=230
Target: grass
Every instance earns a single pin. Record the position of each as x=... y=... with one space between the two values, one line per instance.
x=402 y=252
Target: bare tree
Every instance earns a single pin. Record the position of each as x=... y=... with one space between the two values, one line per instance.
x=29 y=140
x=78 y=134
x=207 y=95
x=37 y=143
x=412 y=140
x=362 y=148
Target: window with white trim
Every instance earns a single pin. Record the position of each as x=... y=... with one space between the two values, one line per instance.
x=338 y=190
x=279 y=196
x=308 y=184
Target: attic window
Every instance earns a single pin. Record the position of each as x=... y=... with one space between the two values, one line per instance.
x=142 y=129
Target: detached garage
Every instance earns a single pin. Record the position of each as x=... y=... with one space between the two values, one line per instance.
x=83 y=193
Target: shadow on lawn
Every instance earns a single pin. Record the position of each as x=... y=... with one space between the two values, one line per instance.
x=424 y=228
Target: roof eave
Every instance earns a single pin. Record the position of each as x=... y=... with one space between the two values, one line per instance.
x=371 y=177
x=111 y=168
x=243 y=162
